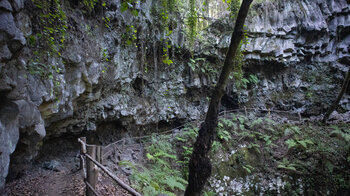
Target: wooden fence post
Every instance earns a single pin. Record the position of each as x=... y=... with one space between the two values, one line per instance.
x=91 y=170
x=82 y=151
x=99 y=159
x=98 y=154
x=101 y=155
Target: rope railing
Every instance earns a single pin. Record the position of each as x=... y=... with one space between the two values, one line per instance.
x=222 y=113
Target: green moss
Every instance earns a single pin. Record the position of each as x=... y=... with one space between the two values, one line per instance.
x=239 y=164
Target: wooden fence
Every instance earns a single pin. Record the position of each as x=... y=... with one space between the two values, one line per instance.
x=91 y=161
x=92 y=156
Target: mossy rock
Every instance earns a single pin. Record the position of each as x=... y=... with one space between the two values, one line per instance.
x=239 y=164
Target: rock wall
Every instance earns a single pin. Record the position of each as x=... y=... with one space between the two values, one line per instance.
x=310 y=41
x=297 y=48
x=97 y=81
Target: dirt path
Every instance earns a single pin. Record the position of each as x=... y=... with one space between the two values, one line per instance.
x=59 y=175
x=39 y=179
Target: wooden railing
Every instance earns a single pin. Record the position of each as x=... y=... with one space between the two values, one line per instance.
x=92 y=156
x=91 y=159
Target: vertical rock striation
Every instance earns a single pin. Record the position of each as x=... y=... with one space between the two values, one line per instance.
x=298 y=49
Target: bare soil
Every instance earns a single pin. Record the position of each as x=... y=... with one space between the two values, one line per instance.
x=64 y=180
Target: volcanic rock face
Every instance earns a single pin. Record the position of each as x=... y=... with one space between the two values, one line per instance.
x=297 y=48
x=314 y=31
x=9 y=135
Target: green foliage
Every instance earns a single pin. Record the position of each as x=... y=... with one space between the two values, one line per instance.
x=89 y=5
x=232 y=6
x=309 y=95
x=223 y=134
x=166 y=59
x=290 y=130
x=191 y=22
x=248 y=168
x=48 y=42
x=53 y=24
x=193 y=63
x=237 y=74
x=130 y=35
x=286 y=165
x=209 y=193
x=130 y=30
x=200 y=64
x=32 y=40
x=36 y=68
x=342 y=134
x=105 y=58
x=296 y=143
x=329 y=166
x=262 y=147
x=257 y=122
x=296 y=151
x=167 y=24
x=186 y=139
x=241 y=81
x=106 y=21
x=129 y=5
x=105 y=55
x=161 y=176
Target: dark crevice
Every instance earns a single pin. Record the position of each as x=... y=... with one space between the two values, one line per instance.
x=230 y=102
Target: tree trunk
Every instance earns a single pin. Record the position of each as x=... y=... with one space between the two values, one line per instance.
x=340 y=95
x=199 y=165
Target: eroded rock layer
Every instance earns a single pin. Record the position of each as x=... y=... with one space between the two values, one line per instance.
x=298 y=49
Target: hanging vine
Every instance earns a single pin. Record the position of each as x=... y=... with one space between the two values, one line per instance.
x=192 y=22
x=129 y=36
x=89 y=5
x=48 y=42
x=238 y=74
x=168 y=8
x=233 y=7
x=53 y=24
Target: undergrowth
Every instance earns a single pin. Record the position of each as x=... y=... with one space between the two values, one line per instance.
x=310 y=156
x=161 y=175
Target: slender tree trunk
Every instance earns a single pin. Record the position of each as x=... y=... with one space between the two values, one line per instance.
x=340 y=95
x=199 y=165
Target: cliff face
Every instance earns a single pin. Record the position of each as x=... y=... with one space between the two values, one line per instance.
x=101 y=82
x=310 y=40
x=299 y=50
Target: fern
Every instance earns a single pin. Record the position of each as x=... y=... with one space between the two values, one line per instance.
x=224 y=135
x=248 y=168
x=344 y=135
x=161 y=177
x=241 y=119
x=305 y=143
x=256 y=122
x=291 y=143
x=227 y=122
x=286 y=165
x=174 y=183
